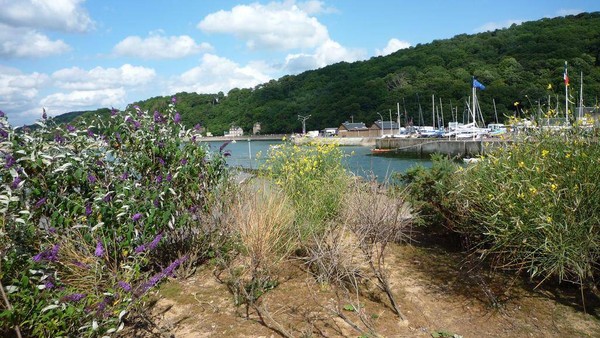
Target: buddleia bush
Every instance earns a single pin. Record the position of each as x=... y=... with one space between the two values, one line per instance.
x=87 y=212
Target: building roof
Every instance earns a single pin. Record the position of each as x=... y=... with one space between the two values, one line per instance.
x=384 y=125
x=354 y=126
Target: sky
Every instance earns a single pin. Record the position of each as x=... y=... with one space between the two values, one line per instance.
x=71 y=55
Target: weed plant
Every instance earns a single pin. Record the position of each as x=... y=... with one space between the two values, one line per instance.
x=534 y=206
x=314 y=179
x=88 y=211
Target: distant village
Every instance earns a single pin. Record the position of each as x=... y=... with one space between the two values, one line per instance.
x=346 y=129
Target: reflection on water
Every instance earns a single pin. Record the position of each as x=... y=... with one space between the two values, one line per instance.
x=251 y=154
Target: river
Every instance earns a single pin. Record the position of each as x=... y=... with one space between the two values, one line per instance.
x=359 y=160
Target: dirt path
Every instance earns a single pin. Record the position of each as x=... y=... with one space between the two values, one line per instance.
x=438 y=297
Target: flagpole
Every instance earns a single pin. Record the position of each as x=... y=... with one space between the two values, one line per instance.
x=566 y=78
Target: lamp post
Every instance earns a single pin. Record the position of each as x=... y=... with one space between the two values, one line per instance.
x=381 y=117
x=303 y=119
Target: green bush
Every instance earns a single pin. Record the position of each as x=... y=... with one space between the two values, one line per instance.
x=315 y=180
x=87 y=212
x=534 y=206
x=429 y=191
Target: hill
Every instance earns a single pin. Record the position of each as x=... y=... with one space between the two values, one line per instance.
x=523 y=63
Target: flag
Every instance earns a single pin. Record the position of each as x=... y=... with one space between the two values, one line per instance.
x=478 y=85
x=565 y=75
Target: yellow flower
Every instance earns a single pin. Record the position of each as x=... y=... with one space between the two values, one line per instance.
x=553 y=187
x=568 y=155
x=549 y=219
x=532 y=190
x=545 y=153
x=521 y=164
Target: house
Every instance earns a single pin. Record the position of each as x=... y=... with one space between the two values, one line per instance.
x=256 y=128
x=380 y=128
x=234 y=131
x=351 y=129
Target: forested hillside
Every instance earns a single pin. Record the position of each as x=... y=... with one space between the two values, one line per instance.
x=523 y=63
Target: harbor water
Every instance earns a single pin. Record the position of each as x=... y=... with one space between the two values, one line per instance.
x=359 y=160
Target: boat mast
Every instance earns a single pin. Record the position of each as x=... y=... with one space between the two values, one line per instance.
x=495 y=111
x=566 y=78
x=398 y=112
x=433 y=110
x=581 y=98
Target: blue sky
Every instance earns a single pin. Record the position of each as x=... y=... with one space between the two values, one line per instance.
x=67 y=55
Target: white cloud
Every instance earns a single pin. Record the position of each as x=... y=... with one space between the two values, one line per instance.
x=61 y=15
x=19 y=92
x=492 y=26
x=328 y=53
x=315 y=7
x=82 y=99
x=276 y=25
x=157 y=46
x=25 y=42
x=571 y=11
x=216 y=74
x=100 y=78
x=392 y=46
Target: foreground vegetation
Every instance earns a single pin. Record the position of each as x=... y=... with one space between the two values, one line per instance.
x=530 y=207
x=96 y=215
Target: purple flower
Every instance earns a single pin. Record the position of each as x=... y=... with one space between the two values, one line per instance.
x=174 y=100
x=159 y=179
x=136 y=217
x=155 y=241
x=118 y=136
x=183 y=161
x=74 y=297
x=169 y=177
x=99 y=249
x=3 y=133
x=15 y=183
x=113 y=111
x=227 y=153
x=70 y=128
x=52 y=230
x=10 y=161
x=54 y=252
x=177 y=118
x=107 y=198
x=58 y=138
x=91 y=178
x=125 y=176
x=2 y=113
x=124 y=285
x=136 y=125
x=197 y=127
x=48 y=284
x=49 y=255
x=100 y=163
x=156 y=203
x=158 y=118
x=88 y=209
x=40 y=202
x=140 y=248
x=44 y=115
x=161 y=161
x=223 y=146
x=90 y=133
